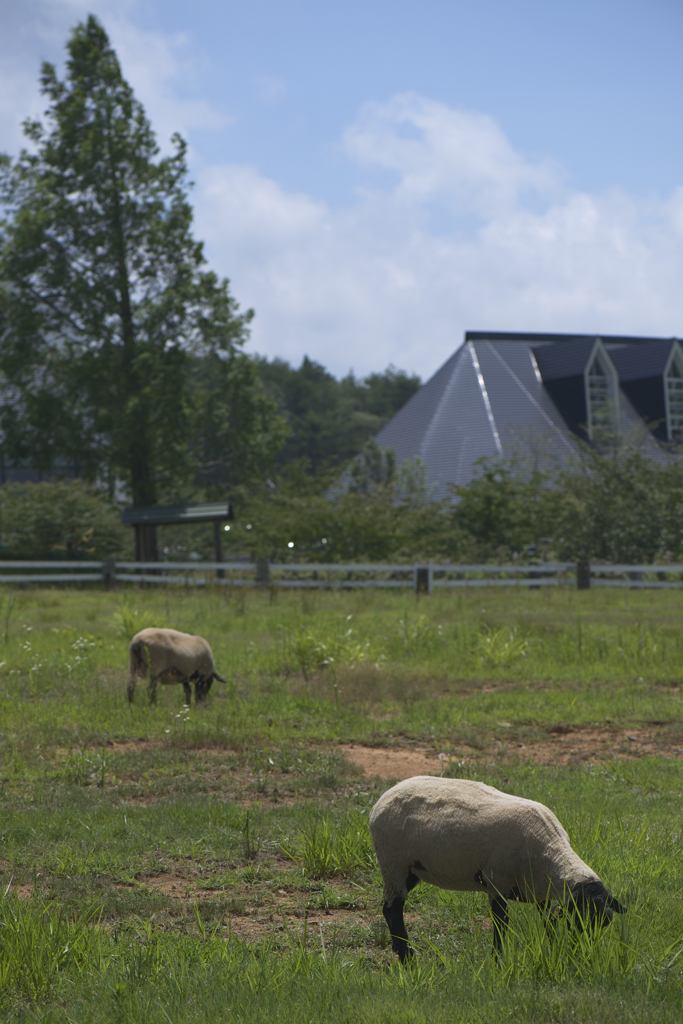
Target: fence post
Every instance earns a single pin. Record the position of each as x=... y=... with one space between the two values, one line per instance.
x=108 y=573
x=262 y=572
x=423 y=579
x=583 y=576
x=218 y=546
x=534 y=575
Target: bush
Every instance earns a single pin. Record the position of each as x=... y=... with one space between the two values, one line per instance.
x=60 y=519
x=618 y=504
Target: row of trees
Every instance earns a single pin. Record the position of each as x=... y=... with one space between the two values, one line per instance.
x=615 y=506
x=61 y=519
x=612 y=505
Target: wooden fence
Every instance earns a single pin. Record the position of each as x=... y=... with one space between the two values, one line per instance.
x=419 y=577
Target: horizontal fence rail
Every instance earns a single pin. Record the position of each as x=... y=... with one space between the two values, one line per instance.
x=333 y=575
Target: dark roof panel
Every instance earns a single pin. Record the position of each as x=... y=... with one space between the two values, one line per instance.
x=558 y=362
x=640 y=362
x=641 y=376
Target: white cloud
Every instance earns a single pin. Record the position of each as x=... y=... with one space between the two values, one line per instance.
x=375 y=283
x=461 y=158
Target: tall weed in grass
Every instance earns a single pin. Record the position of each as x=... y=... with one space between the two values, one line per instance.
x=38 y=945
x=501 y=648
x=323 y=847
x=7 y=606
x=308 y=650
x=564 y=955
x=418 y=635
x=130 y=619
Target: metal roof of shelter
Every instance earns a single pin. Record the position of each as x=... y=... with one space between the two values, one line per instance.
x=166 y=515
x=502 y=393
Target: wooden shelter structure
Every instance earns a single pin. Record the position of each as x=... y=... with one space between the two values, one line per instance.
x=145 y=520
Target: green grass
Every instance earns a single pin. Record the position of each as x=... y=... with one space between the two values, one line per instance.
x=163 y=864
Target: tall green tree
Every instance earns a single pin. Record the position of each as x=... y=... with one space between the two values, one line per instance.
x=106 y=305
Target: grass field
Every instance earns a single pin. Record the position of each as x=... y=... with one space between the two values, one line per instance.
x=165 y=864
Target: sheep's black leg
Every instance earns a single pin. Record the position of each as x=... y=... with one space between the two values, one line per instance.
x=201 y=688
x=188 y=692
x=152 y=690
x=499 y=916
x=131 y=689
x=393 y=915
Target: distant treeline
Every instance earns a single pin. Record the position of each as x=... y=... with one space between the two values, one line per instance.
x=329 y=420
x=253 y=419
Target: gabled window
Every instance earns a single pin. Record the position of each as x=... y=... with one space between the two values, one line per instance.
x=673 y=390
x=602 y=393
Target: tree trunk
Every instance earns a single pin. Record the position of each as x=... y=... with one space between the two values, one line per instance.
x=142 y=483
x=146 y=549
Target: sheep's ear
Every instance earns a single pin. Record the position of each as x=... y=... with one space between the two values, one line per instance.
x=614 y=904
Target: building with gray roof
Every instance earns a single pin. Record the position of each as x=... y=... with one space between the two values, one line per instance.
x=503 y=393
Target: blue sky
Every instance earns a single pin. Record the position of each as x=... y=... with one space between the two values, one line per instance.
x=375 y=178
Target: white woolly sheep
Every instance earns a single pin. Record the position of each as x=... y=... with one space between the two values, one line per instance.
x=470 y=837
x=167 y=656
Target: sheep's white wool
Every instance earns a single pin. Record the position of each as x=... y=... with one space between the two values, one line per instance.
x=464 y=835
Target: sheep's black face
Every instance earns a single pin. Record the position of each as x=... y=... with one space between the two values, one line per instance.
x=598 y=915
x=593 y=907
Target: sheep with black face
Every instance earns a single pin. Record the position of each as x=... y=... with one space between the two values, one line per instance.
x=467 y=836
x=166 y=656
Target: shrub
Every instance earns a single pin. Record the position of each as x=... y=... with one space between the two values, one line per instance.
x=60 y=519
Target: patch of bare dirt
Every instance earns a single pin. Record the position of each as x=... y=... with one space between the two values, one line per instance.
x=561 y=747
x=271 y=911
x=20 y=889
x=317 y=924
x=172 y=885
x=566 y=748
x=24 y=891
x=394 y=764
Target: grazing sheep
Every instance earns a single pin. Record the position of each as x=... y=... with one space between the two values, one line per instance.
x=167 y=656
x=470 y=837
